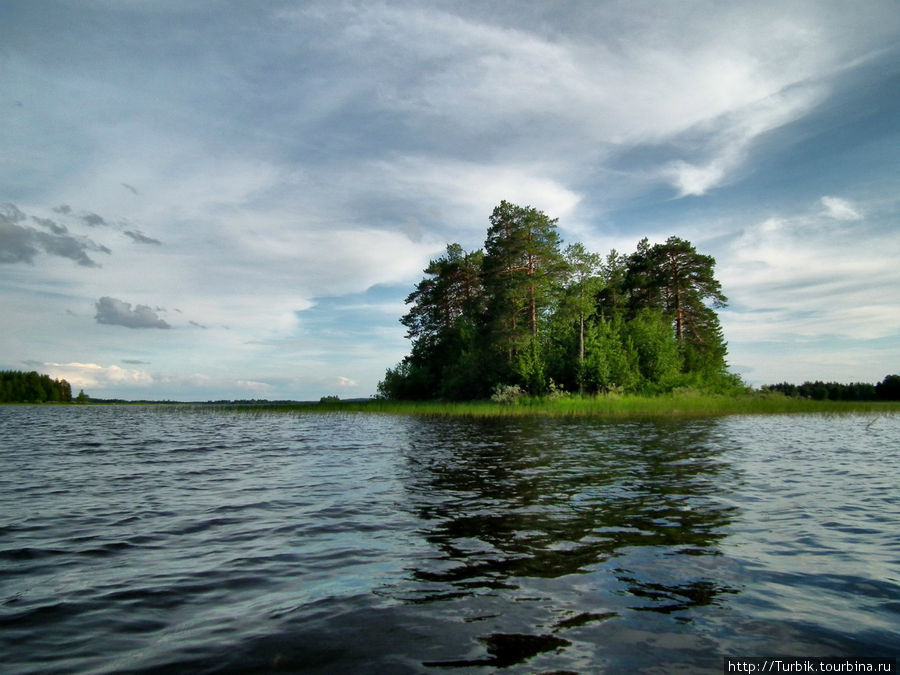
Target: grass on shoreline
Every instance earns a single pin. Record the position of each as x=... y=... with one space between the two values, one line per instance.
x=672 y=405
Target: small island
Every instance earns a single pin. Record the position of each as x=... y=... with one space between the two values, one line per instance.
x=526 y=322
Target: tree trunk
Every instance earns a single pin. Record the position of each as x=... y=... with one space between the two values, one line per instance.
x=679 y=315
x=581 y=353
x=533 y=313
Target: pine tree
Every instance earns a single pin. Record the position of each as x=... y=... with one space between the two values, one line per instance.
x=521 y=272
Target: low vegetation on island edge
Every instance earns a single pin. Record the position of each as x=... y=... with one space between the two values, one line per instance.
x=685 y=403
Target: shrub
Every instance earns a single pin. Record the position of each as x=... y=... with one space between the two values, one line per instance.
x=508 y=394
x=557 y=391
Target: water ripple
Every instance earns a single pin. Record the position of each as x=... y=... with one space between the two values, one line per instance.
x=143 y=539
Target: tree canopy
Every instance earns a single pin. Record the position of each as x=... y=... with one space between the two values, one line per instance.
x=525 y=312
x=886 y=390
x=32 y=387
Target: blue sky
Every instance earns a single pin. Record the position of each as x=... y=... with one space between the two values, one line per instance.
x=213 y=200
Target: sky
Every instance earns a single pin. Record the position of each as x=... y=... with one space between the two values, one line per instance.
x=231 y=200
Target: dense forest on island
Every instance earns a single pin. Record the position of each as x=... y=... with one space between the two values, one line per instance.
x=525 y=315
x=32 y=387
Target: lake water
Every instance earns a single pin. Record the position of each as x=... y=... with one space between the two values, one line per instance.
x=143 y=539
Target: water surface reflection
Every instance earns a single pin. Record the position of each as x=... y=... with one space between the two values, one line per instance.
x=144 y=539
x=506 y=504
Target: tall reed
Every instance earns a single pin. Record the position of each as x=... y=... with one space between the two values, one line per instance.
x=672 y=405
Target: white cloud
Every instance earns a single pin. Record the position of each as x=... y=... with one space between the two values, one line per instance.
x=728 y=140
x=465 y=193
x=86 y=375
x=697 y=180
x=713 y=82
x=839 y=209
x=799 y=278
x=257 y=387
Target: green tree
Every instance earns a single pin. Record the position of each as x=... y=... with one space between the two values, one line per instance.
x=611 y=360
x=521 y=312
x=659 y=358
x=889 y=388
x=641 y=283
x=441 y=323
x=450 y=292
x=675 y=278
x=521 y=272
x=32 y=387
x=613 y=295
x=580 y=294
x=688 y=288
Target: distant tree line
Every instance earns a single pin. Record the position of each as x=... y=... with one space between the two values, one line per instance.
x=886 y=390
x=32 y=387
x=526 y=313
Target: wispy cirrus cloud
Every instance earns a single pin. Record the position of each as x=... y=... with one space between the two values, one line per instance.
x=813 y=274
x=697 y=82
x=724 y=143
x=140 y=238
x=839 y=209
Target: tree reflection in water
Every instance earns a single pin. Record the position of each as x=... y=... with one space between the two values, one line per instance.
x=633 y=508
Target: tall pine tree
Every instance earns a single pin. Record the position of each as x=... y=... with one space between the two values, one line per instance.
x=522 y=273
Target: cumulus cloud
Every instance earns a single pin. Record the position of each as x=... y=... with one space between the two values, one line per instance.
x=64 y=209
x=839 y=209
x=118 y=313
x=346 y=382
x=85 y=375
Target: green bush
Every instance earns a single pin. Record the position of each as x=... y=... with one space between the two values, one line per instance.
x=508 y=394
